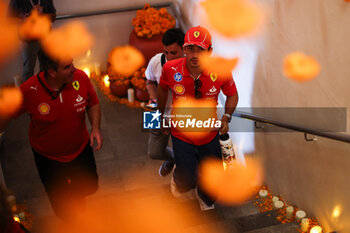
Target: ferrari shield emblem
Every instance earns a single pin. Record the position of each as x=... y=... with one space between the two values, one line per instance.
x=196 y=34
x=76 y=85
x=213 y=76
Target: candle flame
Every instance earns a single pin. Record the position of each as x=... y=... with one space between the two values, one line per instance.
x=87 y=71
x=316 y=229
x=16 y=219
x=336 y=212
x=88 y=53
x=106 y=80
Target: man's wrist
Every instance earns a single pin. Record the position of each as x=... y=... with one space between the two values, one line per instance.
x=227 y=116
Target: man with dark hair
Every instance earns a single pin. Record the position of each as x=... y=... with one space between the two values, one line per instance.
x=173 y=40
x=21 y=9
x=56 y=101
x=188 y=81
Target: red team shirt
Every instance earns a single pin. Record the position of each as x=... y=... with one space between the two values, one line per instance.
x=176 y=77
x=57 y=128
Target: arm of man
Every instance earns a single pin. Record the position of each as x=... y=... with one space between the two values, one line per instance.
x=52 y=17
x=152 y=90
x=162 y=97
x=230 y=106
x=94 y=114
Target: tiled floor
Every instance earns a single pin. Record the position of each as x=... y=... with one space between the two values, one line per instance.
x=131 y=192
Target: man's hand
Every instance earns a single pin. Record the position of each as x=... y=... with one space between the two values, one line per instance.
x=96 y=135
x=224 y=125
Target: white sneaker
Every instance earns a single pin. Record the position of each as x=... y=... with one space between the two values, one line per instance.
x=189 y=195
x=202 y=204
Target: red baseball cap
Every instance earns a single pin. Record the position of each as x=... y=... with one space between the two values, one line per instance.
x=198 y=36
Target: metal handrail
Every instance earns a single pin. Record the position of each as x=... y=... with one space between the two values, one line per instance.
x=112 y=11
x=335 y=136
x=240 y=114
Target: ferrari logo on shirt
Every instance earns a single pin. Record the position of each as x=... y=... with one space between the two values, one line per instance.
x=213 y=76
x=196 y=34
x=76 y=85
x=179 y=89
x=44 y=108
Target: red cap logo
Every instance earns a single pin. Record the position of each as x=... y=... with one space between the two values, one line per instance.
x=198 y=36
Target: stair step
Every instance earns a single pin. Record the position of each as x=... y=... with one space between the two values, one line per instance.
x=257 y=221
x=281 y=228
x=233 y=212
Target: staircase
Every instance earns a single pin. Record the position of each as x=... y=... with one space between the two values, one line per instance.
x=130 y=187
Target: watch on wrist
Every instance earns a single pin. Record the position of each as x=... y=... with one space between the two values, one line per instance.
x=229 y=116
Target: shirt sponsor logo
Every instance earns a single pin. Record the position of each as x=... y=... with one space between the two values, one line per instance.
x=177 y=77
x=213 y=76
x=213 y=89
x=76 y=85
x=44 y=108
x=79 y=98
x=179 y=89
x=34 y=88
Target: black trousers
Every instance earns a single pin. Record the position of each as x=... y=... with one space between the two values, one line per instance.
x=67 y=184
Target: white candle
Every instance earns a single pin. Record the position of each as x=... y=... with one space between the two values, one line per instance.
x=278 y=204
x=300 y=214
x=289 y=212
x=274 y=199
x=316 y=229
x=11 y=200
x=263 y=193
x=131 y=95
x=304 y=225
x=97 y=68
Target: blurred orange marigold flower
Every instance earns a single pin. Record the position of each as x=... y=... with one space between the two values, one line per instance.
x=68 y=41
x=233 y=18
x=234 y=185
x=300 y=67
x=222 y=66
x=35 y=27
x=125 y=60
x=10 y=101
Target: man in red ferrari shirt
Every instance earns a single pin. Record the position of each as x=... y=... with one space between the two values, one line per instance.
x=188 y=80
x=57 y=101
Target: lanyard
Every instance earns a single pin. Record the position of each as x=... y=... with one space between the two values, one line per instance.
x=53 y=94
x=31 y=2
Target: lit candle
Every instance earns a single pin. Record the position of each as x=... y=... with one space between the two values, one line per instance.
x=300 y=214
x=131 y=95
x=142 y=104
x=274 y=199
x=304 y=225
x=278 y=204
x=316 y=229
x=87 y=71
x=106 y=80
x=97 y=68
x=263 y=193
x=12 y=202
x=289 y=212
x=16 y=218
